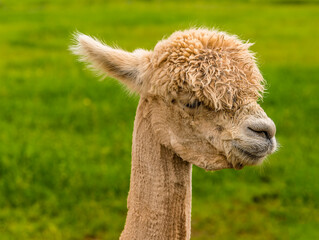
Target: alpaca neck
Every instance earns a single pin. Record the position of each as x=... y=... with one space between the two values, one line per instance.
x=159 y=201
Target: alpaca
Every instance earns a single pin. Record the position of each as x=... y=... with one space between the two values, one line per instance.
x=198 y=105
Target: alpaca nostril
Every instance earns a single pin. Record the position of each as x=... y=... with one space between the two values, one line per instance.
x=263 y=134
x=264 y=128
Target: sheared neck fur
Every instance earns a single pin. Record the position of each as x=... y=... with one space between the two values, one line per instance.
x=159 y=201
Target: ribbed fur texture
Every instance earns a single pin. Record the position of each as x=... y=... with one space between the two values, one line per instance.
x=159 y=201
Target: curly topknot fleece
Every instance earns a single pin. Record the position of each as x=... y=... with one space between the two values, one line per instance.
x=212 y=66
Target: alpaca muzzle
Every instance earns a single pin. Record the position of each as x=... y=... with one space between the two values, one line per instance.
x=256 y=142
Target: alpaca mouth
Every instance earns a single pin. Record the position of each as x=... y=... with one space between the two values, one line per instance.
x=244 y=158
x=248 y=155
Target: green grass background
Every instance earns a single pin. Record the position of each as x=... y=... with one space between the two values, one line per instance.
x=65 y=137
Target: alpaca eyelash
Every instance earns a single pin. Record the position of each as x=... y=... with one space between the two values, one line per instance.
x=193 y=105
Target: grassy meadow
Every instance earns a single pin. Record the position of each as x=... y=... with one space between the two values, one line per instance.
x=65 y=137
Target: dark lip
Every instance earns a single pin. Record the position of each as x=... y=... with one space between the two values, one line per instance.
x=250 y=155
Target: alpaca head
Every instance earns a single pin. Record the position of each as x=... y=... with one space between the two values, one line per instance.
x=200 y=89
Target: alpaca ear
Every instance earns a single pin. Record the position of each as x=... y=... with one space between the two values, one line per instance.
x=117 y=63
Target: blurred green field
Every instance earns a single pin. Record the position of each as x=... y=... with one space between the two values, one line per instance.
x=65 y=137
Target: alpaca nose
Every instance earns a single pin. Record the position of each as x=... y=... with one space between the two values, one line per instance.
x=264 y=128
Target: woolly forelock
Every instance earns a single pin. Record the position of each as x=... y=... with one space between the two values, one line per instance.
x=211 y=66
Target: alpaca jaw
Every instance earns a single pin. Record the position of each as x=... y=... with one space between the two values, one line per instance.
x=213 y=140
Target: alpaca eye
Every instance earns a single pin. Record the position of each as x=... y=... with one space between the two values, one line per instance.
x=195 y=104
